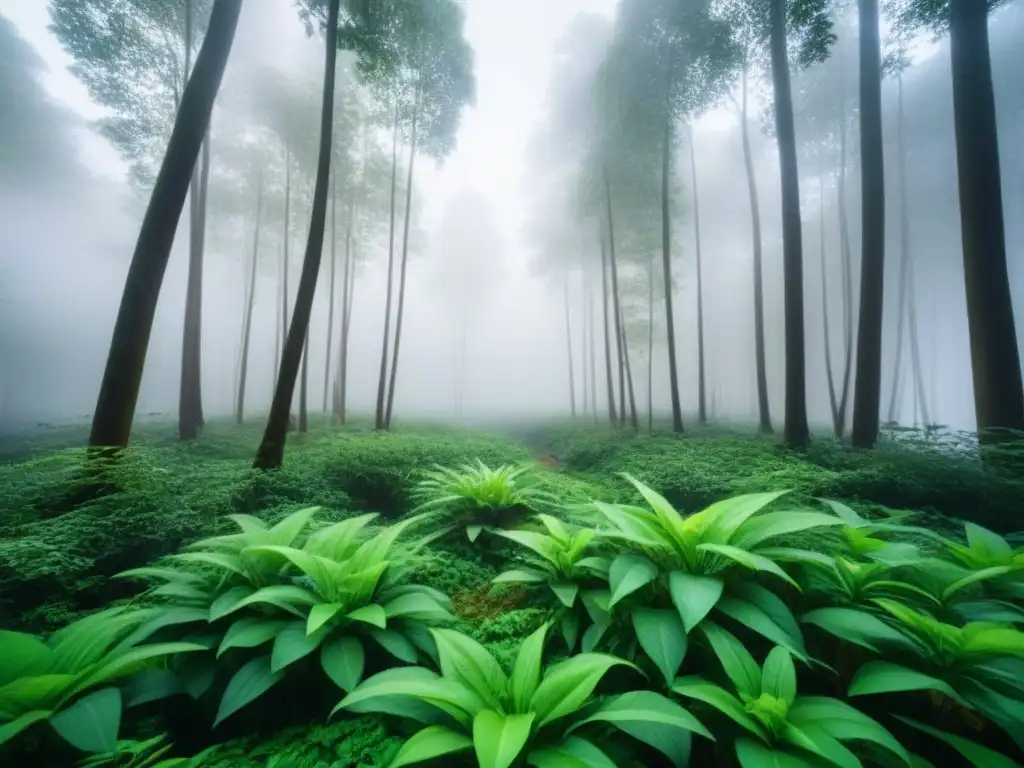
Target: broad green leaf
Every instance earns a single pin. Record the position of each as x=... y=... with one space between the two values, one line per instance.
x=543 y=545
x=222 y=560
x=694 y=596
x=250 y=632
x=773 y=607
x=320 y=614
x=396 y=644
x=715 y=696
x=991 y=546
x=570 y=626
x=728 y=515
x=20 y=653
x=885 y=677
x=92 y=722
x=473 y=532
x=573 y=752
x=596 y=602
x=644 y=707
x=555 y=527
x=129 y=662
x=374 y=615
x=662 y=636
x=627 y=574
x=498 y=739
x=417 y=606
x=520 y=577
x=756 y=619
x=466 y=661
x=13 y=727
x=432 y=742
x=778 y=676
x=150 y=685
x=343 y=660
x=338 y=541
x=291 y=644
x=979 y=756
x=568 y=685
x=994 y=641
x=760 y=529
x=847 y=514
x=841 y=721
x=565 y=591
x=975 y=577
x=34 y=692
x=592 y=636
x=526 y=673
x=287 y=530
x=225 y=602
x=249 y=683
x=814 y=739
x=738 y=664
x=288 y=597
x=378 y=692
x=248 y=523
x=858 y=627
x=748 y=559
x=671 y=521
x=755 y=754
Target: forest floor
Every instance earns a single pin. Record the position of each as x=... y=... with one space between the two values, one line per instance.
x=56 y=566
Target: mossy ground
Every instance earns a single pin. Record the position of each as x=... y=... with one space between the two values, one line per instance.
x=56 y=558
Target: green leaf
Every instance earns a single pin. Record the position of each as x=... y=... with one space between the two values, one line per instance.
x=343 y=659
x=379 y=692
x=565 y=591
x=498 y=739
x=129 y=662
x=748 y=559
x=663 y=638
x=778 y=676
x=694 y=687
x=12 y=728
x=226 y=601
x=979 y=756
x=989 y=545
x=841 y=721
x=320 y=614
x=287 y=597
x=526 y=673
x=858 y=627
x=473 y=532
x=291 y=644
x=573 y=752
x=592 y=636
x=20 y=653
x=433 y=741
x=520 y=577
x=737 y=662
x=250 y=632
x=694 y=596
x=644 y=707
x=568 y=685
x=416 y=605
x=756 y=619
x=627 y=574
x=396 y=644
x=570 y=626
x=373 y=614
x=248 y=684
x=92 y=722
x=884 y=677
x=754 y=754
x=466 y=661
x=757 y=530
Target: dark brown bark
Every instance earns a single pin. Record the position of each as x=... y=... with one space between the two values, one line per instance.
x=702 y=412
x=405 y=264
x=271 y=451
x=760 y=363
x=331 y=289
x=119 y=390
x=382 y=379
x=303 y=388
x=892 y=413
x=796 y=432
x=995 y=359
x=243 y=371
x=568 y=344
x=868 y=387
x=613 y=416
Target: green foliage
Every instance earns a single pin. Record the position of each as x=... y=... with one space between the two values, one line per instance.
x=137 y=754
x=475 y=497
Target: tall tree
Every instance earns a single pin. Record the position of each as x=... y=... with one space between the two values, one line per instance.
x=249 y=305
x=119 y=390
x=702 y=409
x=868 y=388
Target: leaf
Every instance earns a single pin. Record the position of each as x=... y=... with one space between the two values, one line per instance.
x=416 y=605
x=291 y=644
x=246 y=685
x=644 y=707
x=858 y=627
x=715 y=696
x=756 y=619
x=728 y=515
x=737 y=662
x=520 y=577
x=573 y=752
x=225 y=602
x=320 y=614
x=979 y=756
x=150 y=685
x=466 y=661
x=92 y=722
x=526 y=673
x=12 y=728
x=20 y=654
x=884 y=677
x=379 y=692
x=498 y=739
x=778 y=676
x=663 y=638
x=343 y=660
x=373 y=614
x=760 y=529
x=433 y=741
x=570 y=626
x=396 y=644
x=694 y=596
x=473 y=532
x=284 y=596
x=989 y=545
x=747 y=559
x=250 y=632
x=841 y=721
x=754 y=754
x=129 y=662
x=627 y=574
x=565 y=591
x=568 y=685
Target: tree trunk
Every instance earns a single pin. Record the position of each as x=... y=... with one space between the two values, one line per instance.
x=405 y=263
x=287 y=237
x=382 y=379
x=613 y=416
x=995 y=359
x=277 y=327
x=271 y=451
x=346 y=316
x=892 y=413
x=619 y=338
x=846 y=255
x=119 y=390
x=584 y=335
x=796 y=430
x=650 y=343
x=868 y=386
x=702 y=413
x=760 y=364
x=331 y=291
x=568 y=344
x=250 y=303
x=833 y=400
x=633 y=420
x=666 y=267
x=592 y=350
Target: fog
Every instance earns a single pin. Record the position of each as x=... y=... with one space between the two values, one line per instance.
x=484 y=329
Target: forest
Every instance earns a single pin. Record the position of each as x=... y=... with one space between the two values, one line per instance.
x=452 y=382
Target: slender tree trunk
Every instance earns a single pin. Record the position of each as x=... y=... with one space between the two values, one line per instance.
x=382 y=380
x=619 y=338
x=119 y=390
x=702 y=413
x=760 y=364
x=666 y=267
x=796 y=430
x=592 y=351
x=584 y=334
x=650 y=343
x=868 y=387
x=613 y=416
x=303 y=390
x=277 y=327
x=287 y=237
x=331 y=291
x=250 y=303
x=846 y=255
x=405 y=263
x=633 y=420
x=833 y=400
x=995 y=358
x=346 y=312
x=915 y=351
x=892 y=415
x=271 y=451
x=568 y=344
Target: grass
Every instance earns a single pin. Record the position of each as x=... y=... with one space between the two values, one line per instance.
x=56 y=565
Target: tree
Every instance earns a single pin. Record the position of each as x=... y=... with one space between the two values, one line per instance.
x=119 y=390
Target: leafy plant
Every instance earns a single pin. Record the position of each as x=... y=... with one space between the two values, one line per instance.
x=786 y=728
x=74 y=679
x=475 y=497
x=130 y=753
x=535 y=713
